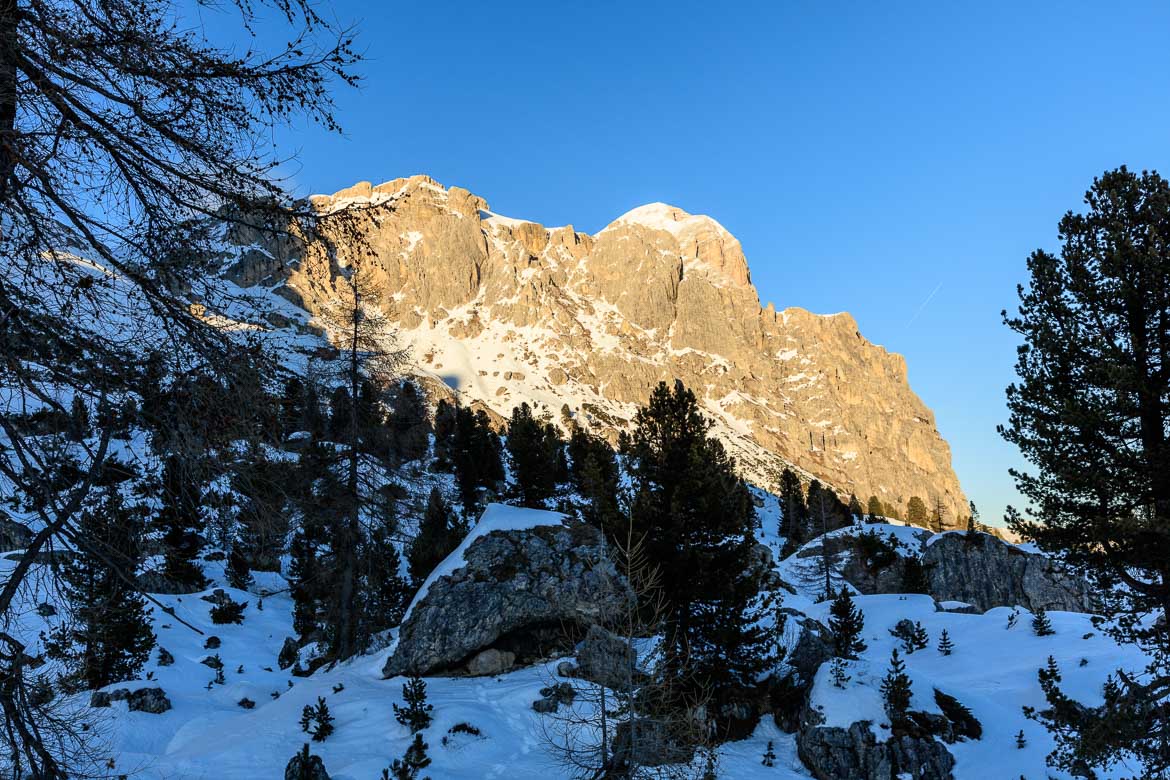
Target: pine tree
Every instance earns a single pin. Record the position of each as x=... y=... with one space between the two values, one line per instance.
x=846 y=622
x=794 y=520
x=972 y=519
x=916 y=512
x=304 y=584
x=594 y=472
x=316 y=721
x=855 y=510
x=1090 y=414
x=476 y=455
x=535 y=452
x=698 y=524
x=293 y=411
x=874 y=510
x=945 y=645
x=438 y=535
x=385 y=592
x=181 y=520
x=1041 y=625
x=237 y=572
x=416 y=715
x=1021 y=740
x=770 y=755
x=412 y=762
x=109 y=638
x=409 y=427
x=936 y=516
x=896 y=690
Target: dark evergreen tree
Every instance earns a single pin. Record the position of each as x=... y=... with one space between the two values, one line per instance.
x=972 y=519
x=1021 y=740
x=438 y=535
x=794 y=520
x=108 y=637
x=698 y=525
x=237 y=572
x=536 y=455
x=837 y=673
x=315 y=421
x=293 y=406
x=855 y=510
x=1091 y=413
x=181 y=520
x=595 y=475
x=846 y=622
x=916 y=512
x=770 y=755
x=945 y=645
x=874 y=510
x=385 y=592
x=896 y=690
x=1041 y=625
x=316 y=721
x=340 y=415
x=412 y=762
x=409 y=427
x=476 y=455
x=416 y=715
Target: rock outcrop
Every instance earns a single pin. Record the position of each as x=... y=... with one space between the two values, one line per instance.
x=151 y=700
x=986 y=572
x=505 y=310
x=834 y=753
x=512 y=595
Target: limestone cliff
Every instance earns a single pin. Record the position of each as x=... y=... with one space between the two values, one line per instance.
x=503 y=311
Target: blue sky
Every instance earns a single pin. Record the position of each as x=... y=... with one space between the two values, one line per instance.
x=898 y=161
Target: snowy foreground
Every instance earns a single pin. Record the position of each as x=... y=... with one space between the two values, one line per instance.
x=207 y=734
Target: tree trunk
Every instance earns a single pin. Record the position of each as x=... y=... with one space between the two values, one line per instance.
x=9 y=16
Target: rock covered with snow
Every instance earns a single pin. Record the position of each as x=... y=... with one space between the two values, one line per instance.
x=514 y=585
x=986 y=572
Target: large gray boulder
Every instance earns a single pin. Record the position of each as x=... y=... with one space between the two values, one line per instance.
x=835 y=753
x=521 y=591
x=987 y=572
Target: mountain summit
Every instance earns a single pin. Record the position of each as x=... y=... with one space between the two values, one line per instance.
x=503 y=310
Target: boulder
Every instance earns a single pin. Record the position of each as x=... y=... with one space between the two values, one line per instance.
x=490 y=662
x=521 y=591
x=835 y=753
x=788 y=692
x=605 y=658
x=986 y=572
x=553 y=697
x=152 y=700
x=289 y=653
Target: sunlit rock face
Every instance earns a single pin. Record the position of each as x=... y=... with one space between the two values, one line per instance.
x=504 y=310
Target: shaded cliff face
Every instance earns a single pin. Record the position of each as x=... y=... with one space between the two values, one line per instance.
x=505 y=311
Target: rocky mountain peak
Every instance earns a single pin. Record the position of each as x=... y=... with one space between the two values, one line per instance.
x=502 y=310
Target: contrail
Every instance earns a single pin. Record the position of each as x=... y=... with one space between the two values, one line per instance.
x=923 y=306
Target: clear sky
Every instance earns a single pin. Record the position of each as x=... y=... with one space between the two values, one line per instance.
x=895 y=160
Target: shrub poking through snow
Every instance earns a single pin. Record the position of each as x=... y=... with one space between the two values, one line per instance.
x=896 y=689
x=305 y=766
x=416 y=715
x=1021 y=740
x=769 y=755
x=1013 y=616
x=1041 y=625
x=228 y=611
x=316 y=721
x=840 y=679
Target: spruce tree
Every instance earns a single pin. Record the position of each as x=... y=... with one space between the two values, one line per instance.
x=945 y=645
x=1041 y=625
x=293 y=412
x=916 y=512
x=416 y=715
x=409 y=427
x=794 y=520
x=698 y=524
x=385 y=593
x=595 y=475
x=855 y=510
x=770 y=755
x=972 y=519
x=896 y=691
x=837 y=673
x=535 y=453
x=874 y=510
x=181 y=520
x=1091 y=414
x=438 y=535
x=316 y=721
x=1021 y=740
x=476 y=455
x=237 y=572
x=846 y=622
x=412 y=762
x=108 y=638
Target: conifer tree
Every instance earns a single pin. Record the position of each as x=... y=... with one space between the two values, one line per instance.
x=1041 y=625
x=794 y=519
x=945 y=645
x=972 y=519
x=293 y=411
x=409 y=427
x=846 y=622
x=385 y=592
x=594 y=472
x=181 y=520
x=316 y=721
x=1021 y=740
x=837 y=673
x=698 y=523
x=79 y=426
x=1091 y=414
x=874 y=509
x=476 y=455
x=536 y=456
x=438 y=535
x=855 y=510
x=770 y=755
x=412 y=762
x=416 y=715
x=236 y=570
x=896 y=689
x=108 y=638
x=916 y=512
